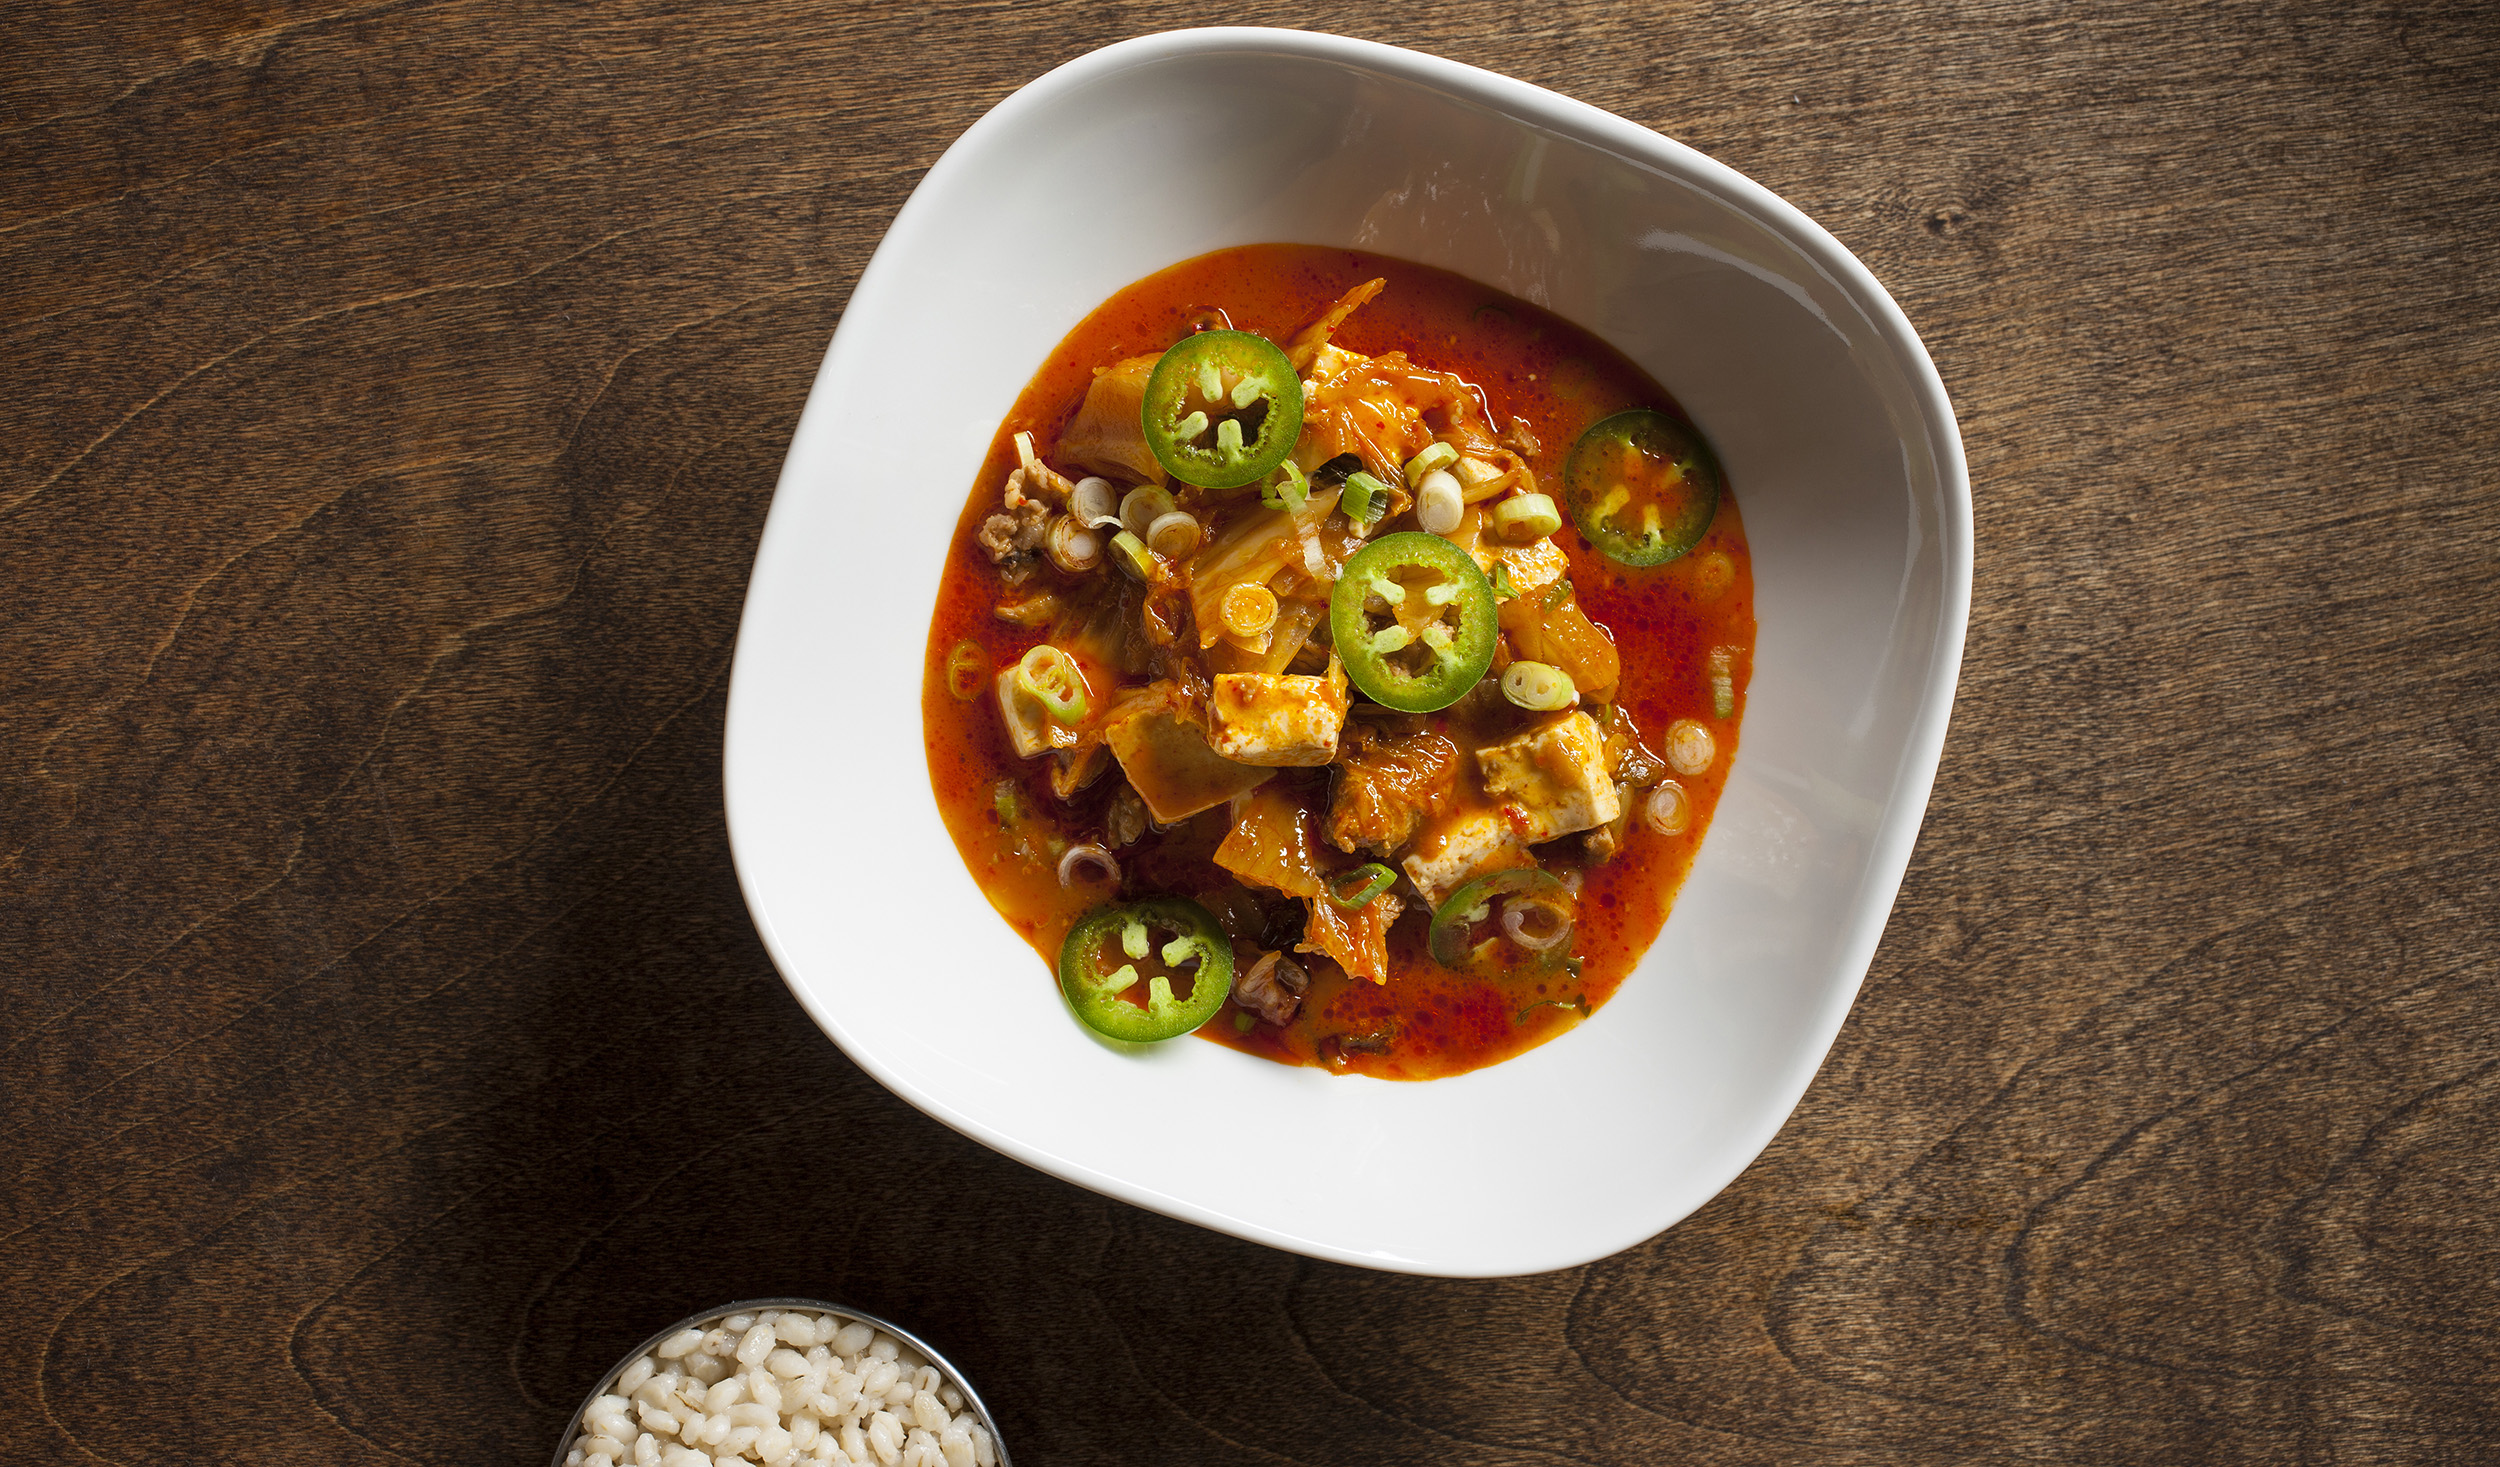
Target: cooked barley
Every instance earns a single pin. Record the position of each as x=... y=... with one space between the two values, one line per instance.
x=742 y=1392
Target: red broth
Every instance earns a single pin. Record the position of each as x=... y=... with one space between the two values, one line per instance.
x=1530 y=367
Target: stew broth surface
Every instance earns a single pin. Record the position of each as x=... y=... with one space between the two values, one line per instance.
x=1531 y=368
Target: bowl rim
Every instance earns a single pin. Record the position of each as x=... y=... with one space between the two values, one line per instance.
x=953 y=1372
x=1919 y=754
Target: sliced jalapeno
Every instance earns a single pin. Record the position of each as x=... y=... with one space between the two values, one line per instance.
x=1642 y=486
x=1454 y=924
x=1098 y=967
x=1222 y=408
x=1414 y=621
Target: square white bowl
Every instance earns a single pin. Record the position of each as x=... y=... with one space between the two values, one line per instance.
x=1838 y=442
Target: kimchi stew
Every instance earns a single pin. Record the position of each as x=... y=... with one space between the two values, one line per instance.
x=1340 y=660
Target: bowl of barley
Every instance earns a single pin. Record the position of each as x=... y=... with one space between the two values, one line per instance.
x=784 y=1383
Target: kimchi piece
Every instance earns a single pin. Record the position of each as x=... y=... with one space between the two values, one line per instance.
x=1312 y=639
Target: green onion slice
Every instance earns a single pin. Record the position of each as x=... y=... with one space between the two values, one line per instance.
x=1287 y=489
x=1052 y=678
x=1538 y=687
x=1453 y=925
x=1365 y=497
x=1354 y=890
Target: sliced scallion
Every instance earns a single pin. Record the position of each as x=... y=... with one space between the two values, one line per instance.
x=967 y=671
x=1538 y=687
x=1248 y=609
x=1288 y=490
x=1133 y=556
x=1365 y=498
x=1052 y=678
x=1690 y=748
x=1355 y=889
x=1174 y=535
x=1527 y=517
x=1434 y=456
x=1142 y=506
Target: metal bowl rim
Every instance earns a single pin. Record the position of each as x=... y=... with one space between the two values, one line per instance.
x=953 y=1372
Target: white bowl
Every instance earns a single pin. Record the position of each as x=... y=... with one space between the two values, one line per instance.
x=1838 y=442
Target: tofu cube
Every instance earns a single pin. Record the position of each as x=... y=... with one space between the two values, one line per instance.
x=1552 y=778
x=1458 y=848
x=1168 y=763
x=1277 y=719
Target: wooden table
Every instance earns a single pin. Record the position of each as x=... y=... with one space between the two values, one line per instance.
x=393 y=397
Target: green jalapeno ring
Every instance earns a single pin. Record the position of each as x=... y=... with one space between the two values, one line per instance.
x=1470 y=904
x=1602 y=506
x=1222 y=409
x=1447 y=664
x=1095 y=994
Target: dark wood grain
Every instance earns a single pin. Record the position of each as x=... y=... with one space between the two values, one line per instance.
x=394 y=393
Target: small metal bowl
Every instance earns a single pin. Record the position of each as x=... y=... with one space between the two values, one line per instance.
x=709 y=1317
